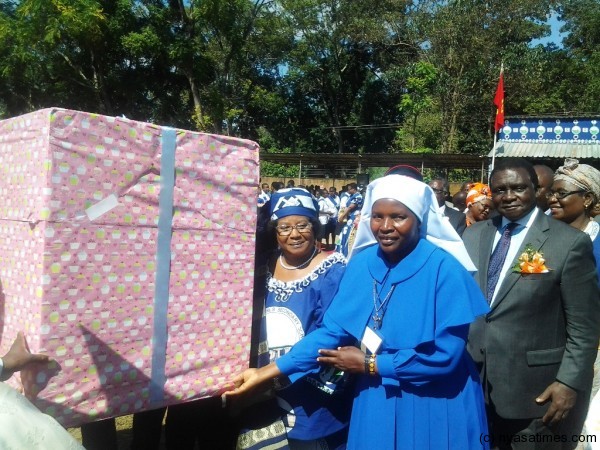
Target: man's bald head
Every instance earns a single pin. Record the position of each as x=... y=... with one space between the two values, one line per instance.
x=545 y=179
x=460 y=200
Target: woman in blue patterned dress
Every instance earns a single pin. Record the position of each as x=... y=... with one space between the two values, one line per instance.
x=348 y=216
x=301 y=282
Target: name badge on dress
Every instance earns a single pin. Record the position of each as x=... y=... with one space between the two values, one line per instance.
x=371 y=340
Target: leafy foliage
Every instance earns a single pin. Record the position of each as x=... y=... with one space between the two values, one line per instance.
x=304 y=75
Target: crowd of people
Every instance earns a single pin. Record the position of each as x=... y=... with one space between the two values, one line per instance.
x=435 y=321
x=465 y=322
x=339 y=212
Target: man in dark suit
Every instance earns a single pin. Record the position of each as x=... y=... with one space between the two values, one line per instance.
x=457 y=219
x=537 y=346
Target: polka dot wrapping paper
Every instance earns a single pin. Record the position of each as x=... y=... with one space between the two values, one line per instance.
x=79 y=234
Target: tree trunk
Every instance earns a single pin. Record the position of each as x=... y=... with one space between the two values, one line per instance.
x=99 y=87
x=448 y=144
x=198 y=111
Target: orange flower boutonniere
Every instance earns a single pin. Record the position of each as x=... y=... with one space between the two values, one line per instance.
x=531 y=261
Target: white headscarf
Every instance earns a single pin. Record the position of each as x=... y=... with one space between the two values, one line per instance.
x=581 y=175
x=420 y=199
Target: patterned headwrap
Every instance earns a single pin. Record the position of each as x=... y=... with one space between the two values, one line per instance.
x=420 y=199
x=478 y=192
x=581 y=175
x=293 y=202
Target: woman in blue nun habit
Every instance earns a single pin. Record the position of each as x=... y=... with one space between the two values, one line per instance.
x=408 y=298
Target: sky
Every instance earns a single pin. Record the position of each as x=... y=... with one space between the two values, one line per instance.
x=555 y=36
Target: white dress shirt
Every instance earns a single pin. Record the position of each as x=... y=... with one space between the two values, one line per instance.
x=516 y=240
x=326 y=210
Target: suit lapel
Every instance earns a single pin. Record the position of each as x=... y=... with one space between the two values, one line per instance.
x=536 y=236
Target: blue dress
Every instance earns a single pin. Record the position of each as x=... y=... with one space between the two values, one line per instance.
x=342 y=246
x=427 y=394
x=320 y=403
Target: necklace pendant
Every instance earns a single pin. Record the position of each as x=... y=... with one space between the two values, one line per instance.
x=377 y=321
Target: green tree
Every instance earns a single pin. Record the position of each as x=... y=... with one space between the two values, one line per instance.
x=580 y=58
x=37 y=44
x=203 y=43
x=303 y=75
x=337 y=67
x=418 y=99
x=466 y=40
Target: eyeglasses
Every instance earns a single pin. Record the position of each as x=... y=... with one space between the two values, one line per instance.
x=439 y=191
x=286 y=230
x=483 y=205
x=562 y=195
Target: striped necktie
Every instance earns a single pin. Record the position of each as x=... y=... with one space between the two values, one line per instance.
x=497 y=259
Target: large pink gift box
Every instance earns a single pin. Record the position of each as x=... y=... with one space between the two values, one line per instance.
x=127 y=256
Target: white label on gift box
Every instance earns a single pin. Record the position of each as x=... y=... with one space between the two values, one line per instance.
x=102 y=207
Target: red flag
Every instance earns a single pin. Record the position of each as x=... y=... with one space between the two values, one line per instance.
x=499 y=102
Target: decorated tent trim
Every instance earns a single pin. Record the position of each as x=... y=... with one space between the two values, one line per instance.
x=549 y=138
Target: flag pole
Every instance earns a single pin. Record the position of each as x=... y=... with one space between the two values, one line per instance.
x=493 y=154
x=499 y=119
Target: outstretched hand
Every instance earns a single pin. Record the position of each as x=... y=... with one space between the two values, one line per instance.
x=244 y=382
x=250 y=379
x=562 y=399
x=349 y=359
x=19 y=357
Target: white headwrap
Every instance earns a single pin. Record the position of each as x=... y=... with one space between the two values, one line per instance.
x=581 y=175
x=420 y=199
